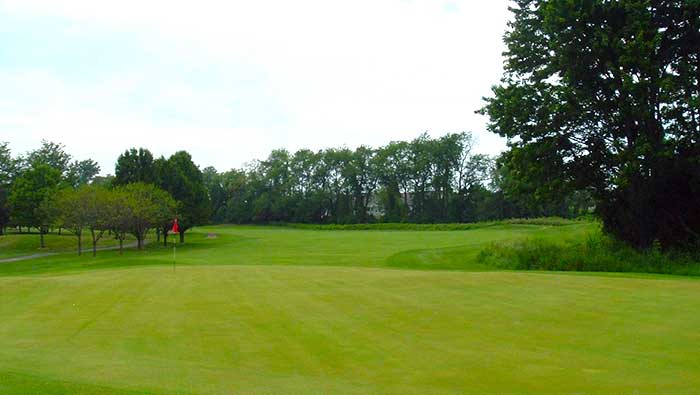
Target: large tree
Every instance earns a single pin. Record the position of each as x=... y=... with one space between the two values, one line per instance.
x=82 y=172
x=27 y=197
x=54 y=155
x=7 y=172
x=184 y=181
x=135 y=165
x=50 y=154
x=605 y=96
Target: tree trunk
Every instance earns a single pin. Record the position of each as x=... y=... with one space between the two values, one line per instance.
x=121 y=244
x=182 y=236
x=165 y=239
x=41 y=236
x=157 y=235
x=94 y=243
x=80 y=243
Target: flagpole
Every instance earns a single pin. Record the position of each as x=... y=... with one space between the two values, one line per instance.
x=174 y=242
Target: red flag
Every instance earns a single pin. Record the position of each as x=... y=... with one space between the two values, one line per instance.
x=175 y=228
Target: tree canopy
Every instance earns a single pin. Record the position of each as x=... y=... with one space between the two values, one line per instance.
x=29 y=191
x=135 y=165
x=604 y=96
x=181 y=177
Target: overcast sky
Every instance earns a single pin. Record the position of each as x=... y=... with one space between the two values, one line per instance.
x=230 y=80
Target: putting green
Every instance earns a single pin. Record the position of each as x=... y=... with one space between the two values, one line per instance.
x=315 y=329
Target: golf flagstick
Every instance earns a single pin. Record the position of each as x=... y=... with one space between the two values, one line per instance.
x=175 y=231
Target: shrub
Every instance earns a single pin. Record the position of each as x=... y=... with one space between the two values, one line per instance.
x=597 y=253
x=546 y=221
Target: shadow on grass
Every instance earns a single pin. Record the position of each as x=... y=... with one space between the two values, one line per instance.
x=461 y=258
x=21 y=383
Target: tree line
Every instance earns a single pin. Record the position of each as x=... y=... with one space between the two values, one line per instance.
x=599 y=101
x=45 y=189
x=424 y=180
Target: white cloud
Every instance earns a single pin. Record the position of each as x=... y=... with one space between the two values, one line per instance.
x=292 y=74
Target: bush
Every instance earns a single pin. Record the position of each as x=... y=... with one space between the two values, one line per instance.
x=546 y=221
x=597 y=253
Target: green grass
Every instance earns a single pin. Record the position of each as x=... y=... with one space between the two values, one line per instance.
x=547 y=221
x=20 y=244
x=593 y=253
x=270 y=310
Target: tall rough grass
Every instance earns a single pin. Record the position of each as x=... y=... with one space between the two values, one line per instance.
x=597 y=253
x=545 y=221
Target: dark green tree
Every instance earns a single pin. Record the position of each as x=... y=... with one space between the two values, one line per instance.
x=135 y=165
x=7 y=173
x=180 y=177
x=394 y=173
x=103 y=181
x=82 y=172
x=4 y=209
x=29 y=192
x=604 y=96
x=51 y=154
x=213 y=182
x=74 y=173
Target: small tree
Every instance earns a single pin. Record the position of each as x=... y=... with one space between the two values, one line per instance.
x=98 y=212
x=122 y=212
x=71 y=213
x=149 y=206
x=87 y=207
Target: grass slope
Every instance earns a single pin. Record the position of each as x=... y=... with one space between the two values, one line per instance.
x=21 y=244
x=272 y=310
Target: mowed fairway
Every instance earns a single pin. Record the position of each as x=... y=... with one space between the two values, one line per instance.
x=283 y=311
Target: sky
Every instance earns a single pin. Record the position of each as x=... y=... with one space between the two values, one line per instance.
x=229 y=81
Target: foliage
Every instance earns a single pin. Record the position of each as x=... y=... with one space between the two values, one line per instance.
x=545 y=221
x=14 y=244
x=180 y=177
x=29 y=190
x=50 y=154
x=54 y=155
x=8 y=165
x=596 y=253
x=83 y=172
x=7 y=170
x=4 y=208
x=603 y=96
x=88 y=207
x=533 y=188
x=147 y=207
x=135 y=165
x=426 y=180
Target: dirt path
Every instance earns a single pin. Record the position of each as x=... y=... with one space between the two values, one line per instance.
x=45 y=254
